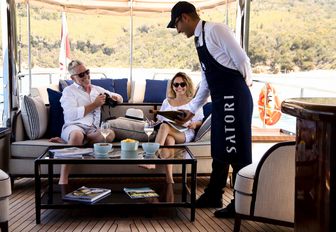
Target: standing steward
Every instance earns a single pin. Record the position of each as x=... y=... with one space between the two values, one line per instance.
x=226 y=76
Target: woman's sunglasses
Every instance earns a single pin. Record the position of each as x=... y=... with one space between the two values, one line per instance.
x=82 y=74
x=182 y=84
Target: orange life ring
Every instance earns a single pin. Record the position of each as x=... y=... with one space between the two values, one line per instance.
x=269 y=105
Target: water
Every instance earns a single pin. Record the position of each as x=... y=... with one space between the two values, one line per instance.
x=105 y=132
x=148 y=131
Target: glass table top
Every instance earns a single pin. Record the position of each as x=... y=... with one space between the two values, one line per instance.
x=172 y=153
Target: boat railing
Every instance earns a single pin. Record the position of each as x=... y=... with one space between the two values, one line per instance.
x=302 y=88
x=286 y=88
x=52 y=77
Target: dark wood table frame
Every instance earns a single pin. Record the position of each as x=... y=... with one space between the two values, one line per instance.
x=49 y=191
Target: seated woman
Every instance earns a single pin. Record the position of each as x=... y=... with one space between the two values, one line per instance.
x=181 y=91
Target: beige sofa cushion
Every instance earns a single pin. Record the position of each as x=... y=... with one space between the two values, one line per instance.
x=138 y=91
x=42 y=92
x=31 y=149
x=129 y=128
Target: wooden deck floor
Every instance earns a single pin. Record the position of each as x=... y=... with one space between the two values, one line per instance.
x=22 y=217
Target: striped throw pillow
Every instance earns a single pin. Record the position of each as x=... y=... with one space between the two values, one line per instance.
x=34 y=116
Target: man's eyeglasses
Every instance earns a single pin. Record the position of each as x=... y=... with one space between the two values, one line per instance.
x=82 y=74
x=182 y=84
x=177 y=20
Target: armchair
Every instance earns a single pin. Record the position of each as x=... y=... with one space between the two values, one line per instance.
x=5 y=192
x=265 y=191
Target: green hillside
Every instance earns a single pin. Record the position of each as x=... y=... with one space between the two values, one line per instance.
x=285 y=35
x=293 y=35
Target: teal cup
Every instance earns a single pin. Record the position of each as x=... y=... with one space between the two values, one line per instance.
x=129 y=154
x=129 y=146
x=150 y=148
x=102 y=148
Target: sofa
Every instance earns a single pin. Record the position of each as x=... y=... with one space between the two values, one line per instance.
x=24 y=150
x=27 y=145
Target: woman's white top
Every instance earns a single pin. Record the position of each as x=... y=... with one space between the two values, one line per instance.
x=190 y=133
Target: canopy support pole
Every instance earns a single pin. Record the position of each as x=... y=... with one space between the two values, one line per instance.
x=29 y=46
x=246 y=25
x=9 y=54
x=131 y=42
x=227 y=13
x=243 y=23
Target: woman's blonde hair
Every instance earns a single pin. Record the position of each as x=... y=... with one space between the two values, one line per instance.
x=190 y=86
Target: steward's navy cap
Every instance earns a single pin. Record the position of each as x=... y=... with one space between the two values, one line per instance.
x=178 y=10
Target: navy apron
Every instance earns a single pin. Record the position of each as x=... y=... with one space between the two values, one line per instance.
x=232 y=107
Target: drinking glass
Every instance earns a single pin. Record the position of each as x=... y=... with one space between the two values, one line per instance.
x=149 y=128
x=105 y=129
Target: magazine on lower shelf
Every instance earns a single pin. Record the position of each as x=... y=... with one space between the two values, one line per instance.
x=86 y=194
x=71 y=152
x=144 y=192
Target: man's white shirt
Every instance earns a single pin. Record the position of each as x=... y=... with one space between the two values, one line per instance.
x=75 y=98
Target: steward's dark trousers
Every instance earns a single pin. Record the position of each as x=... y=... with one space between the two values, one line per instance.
x=219 y=177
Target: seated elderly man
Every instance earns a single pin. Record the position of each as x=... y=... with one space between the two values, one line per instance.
x=81 y=104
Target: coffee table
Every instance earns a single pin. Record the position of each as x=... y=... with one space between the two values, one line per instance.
x=47 y=198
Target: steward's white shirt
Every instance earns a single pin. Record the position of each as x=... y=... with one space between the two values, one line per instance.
x=75 y=98
x=225 y=49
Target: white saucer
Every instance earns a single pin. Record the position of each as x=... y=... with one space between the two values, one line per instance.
x=149 y=155
x=101 y=155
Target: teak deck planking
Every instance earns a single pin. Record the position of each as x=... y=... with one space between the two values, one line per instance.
x=22 y=216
